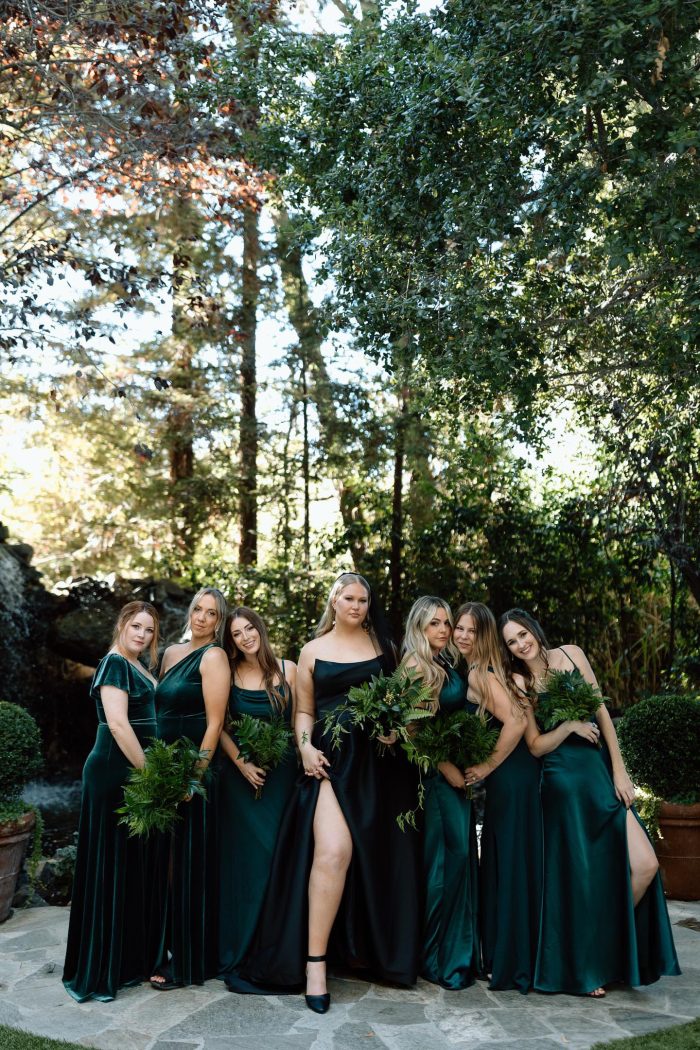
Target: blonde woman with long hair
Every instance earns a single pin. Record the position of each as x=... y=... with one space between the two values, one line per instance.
x=511 y=838
x=450 y=954
x=341 y=862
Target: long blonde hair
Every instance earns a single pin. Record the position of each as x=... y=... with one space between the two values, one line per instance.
x=417 y=648
x=327 y=621
x=128 y=613
x=487 y=656
x=221 y=608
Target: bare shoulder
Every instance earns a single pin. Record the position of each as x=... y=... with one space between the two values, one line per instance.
x=290 y=669
x=215 y=658
x=311 y=650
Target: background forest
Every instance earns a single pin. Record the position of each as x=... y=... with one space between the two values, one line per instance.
x=410 y=289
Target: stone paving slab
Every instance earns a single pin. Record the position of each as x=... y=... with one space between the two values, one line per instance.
x=378 y=1017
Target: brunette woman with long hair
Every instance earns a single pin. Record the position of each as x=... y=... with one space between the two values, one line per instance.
x=262 y=686
x=604 y=917
x=511 y=837
x=111 y=940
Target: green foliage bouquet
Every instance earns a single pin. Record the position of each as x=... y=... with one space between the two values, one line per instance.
x=262 y=742
x=152 y=794
x=568 y=698
x=461 y=737
x=382 y=706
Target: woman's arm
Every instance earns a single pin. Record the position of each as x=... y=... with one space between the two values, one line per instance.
x=216 y=685
x=315 y=762
x=255 y=775
x=542 y=743
x=499 y=704
x=116 y=708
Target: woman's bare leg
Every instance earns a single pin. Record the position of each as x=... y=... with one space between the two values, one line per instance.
x=332 y=853
x=643 y=862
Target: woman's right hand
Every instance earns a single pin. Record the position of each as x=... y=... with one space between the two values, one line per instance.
x=453 y=776
x=588 y=730
x=255 y=775
x=315 y=762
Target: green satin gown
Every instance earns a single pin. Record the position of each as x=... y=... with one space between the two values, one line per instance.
x=248 y=834
x=111 y=942
x=590 y=933
x=190 y=931
x=511 y=869
x=450 y=955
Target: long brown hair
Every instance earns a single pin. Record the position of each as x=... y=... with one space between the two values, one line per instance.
x=514 y=664
x=487 y=655
x=273 y=679
x=129 y=612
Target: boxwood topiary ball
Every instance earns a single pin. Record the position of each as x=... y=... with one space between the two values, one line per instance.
x=20 y=748
x=660 y=743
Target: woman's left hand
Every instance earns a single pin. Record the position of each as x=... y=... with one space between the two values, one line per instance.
x=475 y=773
x=388 y=740
x=624 y=788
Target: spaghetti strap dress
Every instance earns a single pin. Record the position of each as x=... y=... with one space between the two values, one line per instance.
x=190 y=931
x=248 y=831
x=590 y=933
x=377 y=928
x=450 y=955
x=111 y=942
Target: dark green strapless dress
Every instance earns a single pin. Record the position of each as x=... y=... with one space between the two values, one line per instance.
x=511 y=869
x=111 y=942
x=191 y=920
x=247 y=835
x=590 y=932
x=450 y=954
x=377 y=928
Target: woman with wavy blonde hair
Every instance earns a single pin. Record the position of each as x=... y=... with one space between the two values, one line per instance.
x=511 y=838
x=450 y=954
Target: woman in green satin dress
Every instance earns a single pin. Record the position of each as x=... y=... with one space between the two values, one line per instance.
x=191 y=701
x=261 y=686
x=604 y=917
x=109 y=942
x=450 y=954
x=510 y=874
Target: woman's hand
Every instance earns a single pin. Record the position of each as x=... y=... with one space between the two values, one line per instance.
x=453 y=775
x=388 y=740
x=474 y=773
x=624 y=788
x=588 y=730
x=255 y=775
x=315 y=762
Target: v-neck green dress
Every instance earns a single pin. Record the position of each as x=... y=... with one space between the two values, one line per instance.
x=111 y=942
x=450 y=955
x=190 y=926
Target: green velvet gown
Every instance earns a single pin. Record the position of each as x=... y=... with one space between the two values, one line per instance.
x=247 y=835
x=111 y=942
x=190 y=930
x=450 y=955
x=590 y=933
x=511 y=869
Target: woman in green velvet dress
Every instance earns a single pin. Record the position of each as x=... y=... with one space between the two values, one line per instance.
x=109 y=942
x=450 y=954
x=604 y=917
x=191 y=701
x=510 y=875
x=261 y=686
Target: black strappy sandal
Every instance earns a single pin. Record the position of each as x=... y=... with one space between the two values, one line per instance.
x=318 y=1003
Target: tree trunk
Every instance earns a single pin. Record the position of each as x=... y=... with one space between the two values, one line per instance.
x=248 y=452
x=395 y=557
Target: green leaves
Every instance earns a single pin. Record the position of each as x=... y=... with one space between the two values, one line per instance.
x=261 y=741
x=568 y=697
x=462 y=738
x=153 y=794
x=381 y=706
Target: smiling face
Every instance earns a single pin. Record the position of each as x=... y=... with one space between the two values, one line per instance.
x=137 y=635
x=204 y=619
x=520 y=641
x=438 y=629
x=351 y=605
x=465 y=634
x=246 y=637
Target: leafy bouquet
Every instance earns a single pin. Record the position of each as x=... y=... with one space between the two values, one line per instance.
x=382 y=706
x=568 y=697
x=261 y=741
x=152 y=794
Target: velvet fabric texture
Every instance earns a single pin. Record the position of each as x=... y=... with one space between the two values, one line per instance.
x=111 y=938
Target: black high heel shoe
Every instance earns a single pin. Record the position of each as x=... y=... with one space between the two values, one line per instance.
x=318 y=1003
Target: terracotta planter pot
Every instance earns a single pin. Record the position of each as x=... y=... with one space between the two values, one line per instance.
x=679 y=851
x=14 y=839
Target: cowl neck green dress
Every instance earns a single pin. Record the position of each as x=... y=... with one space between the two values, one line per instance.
x=111 y=941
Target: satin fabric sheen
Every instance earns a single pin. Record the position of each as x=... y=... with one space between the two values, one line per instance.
x=188 y=861
x=111 y=942
x=450 y=954
x=248 y=832
x=377 y=928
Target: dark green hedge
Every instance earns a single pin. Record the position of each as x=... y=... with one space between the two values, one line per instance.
x=660 y=742
x=20 y=751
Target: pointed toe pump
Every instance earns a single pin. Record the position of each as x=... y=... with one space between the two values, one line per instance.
x=318 y=1003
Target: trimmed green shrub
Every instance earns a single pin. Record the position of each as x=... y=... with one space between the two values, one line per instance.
x=20 y=748
x=660 y=743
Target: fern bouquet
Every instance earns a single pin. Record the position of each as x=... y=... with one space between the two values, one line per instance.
x=461 y=737
x=152 y=794
x=381 y=706
x=567 y=697
x=261 y=741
